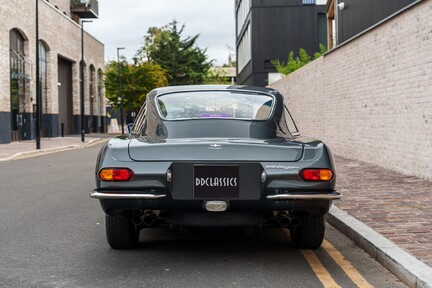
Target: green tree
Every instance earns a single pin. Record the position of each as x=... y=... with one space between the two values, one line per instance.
x=137 y=80
x=185 y=62
x=294 y=63
x=216 y=77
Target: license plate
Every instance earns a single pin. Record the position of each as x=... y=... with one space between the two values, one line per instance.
x=216 y=181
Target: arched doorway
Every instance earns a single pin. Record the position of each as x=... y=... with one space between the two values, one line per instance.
x=18 y=81
x=43 y=79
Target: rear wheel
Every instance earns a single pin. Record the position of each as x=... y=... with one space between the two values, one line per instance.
x=310 y=233
x=121 y=232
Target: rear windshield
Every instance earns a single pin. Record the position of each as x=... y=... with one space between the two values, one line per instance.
x=214 y=104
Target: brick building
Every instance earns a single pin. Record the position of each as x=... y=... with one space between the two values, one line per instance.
x=59 y=58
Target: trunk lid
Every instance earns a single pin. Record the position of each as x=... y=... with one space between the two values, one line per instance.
x=279 y=150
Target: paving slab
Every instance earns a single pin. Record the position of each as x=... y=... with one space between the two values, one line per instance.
x=397 y=208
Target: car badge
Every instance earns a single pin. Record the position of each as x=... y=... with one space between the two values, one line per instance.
x=215 y=146
x=282 y=167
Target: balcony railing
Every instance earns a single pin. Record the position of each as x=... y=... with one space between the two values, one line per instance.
x=83 y=10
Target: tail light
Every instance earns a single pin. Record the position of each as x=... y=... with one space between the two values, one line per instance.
x=116 y=174
x=316 y=174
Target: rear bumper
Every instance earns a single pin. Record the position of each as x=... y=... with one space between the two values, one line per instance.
x=115 y=202
x=332 y=196
x=277 y=197
x=98 y=195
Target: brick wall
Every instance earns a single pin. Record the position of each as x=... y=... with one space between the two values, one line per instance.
x=371 y=98
x=63 y=38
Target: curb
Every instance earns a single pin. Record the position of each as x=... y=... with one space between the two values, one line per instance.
x=33 y=153
x=406 y=267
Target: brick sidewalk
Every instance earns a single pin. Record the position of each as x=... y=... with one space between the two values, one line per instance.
x=397 y=206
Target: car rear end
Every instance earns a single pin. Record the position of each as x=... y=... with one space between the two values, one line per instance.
x=215 y=158
x=222 y=188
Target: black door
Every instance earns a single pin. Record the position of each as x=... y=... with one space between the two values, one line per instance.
x=65 y=96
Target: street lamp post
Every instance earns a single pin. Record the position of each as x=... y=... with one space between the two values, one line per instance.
x=120 y=89
x=82 y=80
x=38 y=92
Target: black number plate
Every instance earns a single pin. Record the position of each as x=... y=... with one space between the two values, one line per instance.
x=216 y=181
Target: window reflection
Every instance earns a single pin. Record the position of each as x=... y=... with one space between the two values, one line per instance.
x=222 y=105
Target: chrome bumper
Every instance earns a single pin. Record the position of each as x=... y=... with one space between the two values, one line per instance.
x=98 y=195
x=333 y=196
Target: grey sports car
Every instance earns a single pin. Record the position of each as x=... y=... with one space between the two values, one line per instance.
x=215 y=156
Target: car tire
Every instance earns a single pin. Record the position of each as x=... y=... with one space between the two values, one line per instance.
x=310 y=233
x=121 y=232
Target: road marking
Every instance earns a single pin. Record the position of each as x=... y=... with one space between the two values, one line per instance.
x=319 y=270
x=317 y=267
x=346 y=266
x=46 y=151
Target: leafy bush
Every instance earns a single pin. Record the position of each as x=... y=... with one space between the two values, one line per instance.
x=294 y=63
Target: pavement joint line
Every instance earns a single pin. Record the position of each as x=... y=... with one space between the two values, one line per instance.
x=33 y=153
x=406 y=267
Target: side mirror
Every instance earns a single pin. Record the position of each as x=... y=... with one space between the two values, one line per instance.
x=129 y=129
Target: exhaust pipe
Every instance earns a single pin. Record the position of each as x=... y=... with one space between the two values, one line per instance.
x=287 y=221
x=283 y=219
x=148 y=219
x=137 y=220
x=295 y=222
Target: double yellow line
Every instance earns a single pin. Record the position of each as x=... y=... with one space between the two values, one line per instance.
x=322 y=273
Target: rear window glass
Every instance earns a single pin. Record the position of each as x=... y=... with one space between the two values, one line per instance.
x=224 y=105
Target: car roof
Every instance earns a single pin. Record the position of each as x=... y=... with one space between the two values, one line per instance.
x=193 y=88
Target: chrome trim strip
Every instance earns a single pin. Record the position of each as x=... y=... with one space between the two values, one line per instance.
x=98 y=195
x=216 y=206
x=333 y=196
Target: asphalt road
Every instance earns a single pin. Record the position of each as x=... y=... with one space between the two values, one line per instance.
x=52 y=235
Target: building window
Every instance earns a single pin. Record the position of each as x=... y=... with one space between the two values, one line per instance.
x=244 y=53
x=43 y=86
x=322 y=29
x=308 y=2
x=100 y=103
x=18 y=78
x=242 y=12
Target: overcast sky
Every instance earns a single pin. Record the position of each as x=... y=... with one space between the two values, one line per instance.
x=123 y=23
